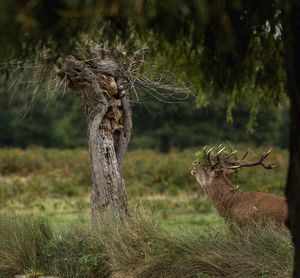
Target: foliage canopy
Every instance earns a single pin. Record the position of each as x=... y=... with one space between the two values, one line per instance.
x=227 y=50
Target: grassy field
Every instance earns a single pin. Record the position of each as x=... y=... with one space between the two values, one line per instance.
x=49 y=189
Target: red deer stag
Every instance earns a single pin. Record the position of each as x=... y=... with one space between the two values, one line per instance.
x=214 y=173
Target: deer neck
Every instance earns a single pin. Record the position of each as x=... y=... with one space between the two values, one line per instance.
x=221 y=193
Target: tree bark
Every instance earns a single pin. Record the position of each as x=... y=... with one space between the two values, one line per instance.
x=293 y=181
x=109 y=121
x=292 y=56
x=109 y=129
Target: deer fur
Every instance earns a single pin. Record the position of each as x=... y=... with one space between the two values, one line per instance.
x=238 y=207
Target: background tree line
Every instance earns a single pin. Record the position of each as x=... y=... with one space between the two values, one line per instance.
x=157 y=125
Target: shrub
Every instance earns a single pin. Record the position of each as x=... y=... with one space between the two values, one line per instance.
x=58 y=173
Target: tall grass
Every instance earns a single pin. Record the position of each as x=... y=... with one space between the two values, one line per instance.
x=76 y=253
x=140 y=247
x=22 y=241
x=28 y=245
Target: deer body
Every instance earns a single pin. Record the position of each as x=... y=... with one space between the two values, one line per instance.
x=238 y=207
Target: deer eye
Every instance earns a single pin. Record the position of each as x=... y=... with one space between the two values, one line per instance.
x=217 y=172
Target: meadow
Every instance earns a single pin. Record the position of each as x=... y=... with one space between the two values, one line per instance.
x=174 y=230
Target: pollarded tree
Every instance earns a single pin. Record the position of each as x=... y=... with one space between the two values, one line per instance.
x=97 y=77
x=107 y=80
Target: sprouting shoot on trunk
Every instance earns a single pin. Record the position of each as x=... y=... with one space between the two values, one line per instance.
x=214 y=173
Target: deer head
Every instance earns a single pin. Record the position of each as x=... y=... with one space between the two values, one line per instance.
x=221 y=165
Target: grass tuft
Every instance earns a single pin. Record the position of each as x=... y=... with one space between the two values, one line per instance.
x=139 y=247
x=22 y=239
x=76 y=253
x=142 y=248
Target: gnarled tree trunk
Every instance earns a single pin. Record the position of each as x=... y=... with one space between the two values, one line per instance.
x=98 y=82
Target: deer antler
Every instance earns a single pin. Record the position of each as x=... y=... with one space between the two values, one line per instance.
x=221 y=150
x=208 y=154
x=233 y=152
x=224 y=161
x=246 y=153
x=260 y=161
x=218 y=155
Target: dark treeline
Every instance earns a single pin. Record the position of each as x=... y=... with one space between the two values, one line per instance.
x=157 y=125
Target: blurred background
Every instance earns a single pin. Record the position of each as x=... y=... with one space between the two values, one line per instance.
x=173 y=34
